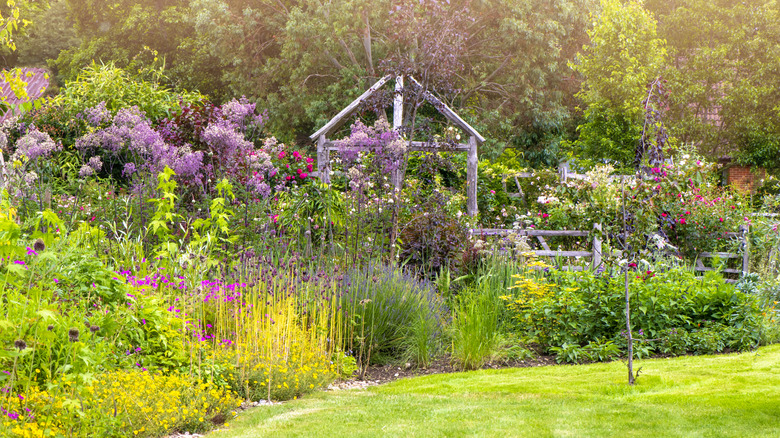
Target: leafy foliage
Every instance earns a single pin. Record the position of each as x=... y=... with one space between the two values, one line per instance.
x=722 y=76
x=565 y=312
x=624 y=56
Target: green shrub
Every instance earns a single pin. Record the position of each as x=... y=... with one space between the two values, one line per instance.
x=118 y=89
x=689 y=313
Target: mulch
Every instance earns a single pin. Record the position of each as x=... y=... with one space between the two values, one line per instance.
x=379 y=374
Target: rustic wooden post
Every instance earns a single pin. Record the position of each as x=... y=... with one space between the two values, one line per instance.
x=563 y=170
x=398 y=121
x=2 y=170
x=471 y=177
x=323 y=159
x=596 y=259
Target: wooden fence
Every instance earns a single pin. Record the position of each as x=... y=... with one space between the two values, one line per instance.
x=595 y=254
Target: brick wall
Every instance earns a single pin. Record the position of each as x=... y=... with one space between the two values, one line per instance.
x=744 y=178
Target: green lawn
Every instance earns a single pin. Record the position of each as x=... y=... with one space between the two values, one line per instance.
x=706 y=396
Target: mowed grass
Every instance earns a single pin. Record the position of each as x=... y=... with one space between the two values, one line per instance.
x=734 y=395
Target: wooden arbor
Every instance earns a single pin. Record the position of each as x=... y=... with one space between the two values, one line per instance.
x=325 y=146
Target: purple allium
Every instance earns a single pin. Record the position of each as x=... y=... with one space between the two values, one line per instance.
x=73 y=334
x=86 y=171
x=95 y=163
x=97 y=115
x=128 y=169
x=35 y=144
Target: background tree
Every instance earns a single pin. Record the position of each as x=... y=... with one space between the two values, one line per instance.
x=623 y=57
x=135 y=34
x=724 y=76
x=307 y=59
x=50 y=32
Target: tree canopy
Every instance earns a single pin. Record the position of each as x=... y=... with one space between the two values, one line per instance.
x=623 y=57
x=524 y=73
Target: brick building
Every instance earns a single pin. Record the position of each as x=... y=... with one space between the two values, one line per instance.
x=741 y=177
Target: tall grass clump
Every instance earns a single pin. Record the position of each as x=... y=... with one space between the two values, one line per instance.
x=475 y=334
x=479 y=314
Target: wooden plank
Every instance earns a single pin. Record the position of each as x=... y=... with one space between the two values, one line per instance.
x=725 y=271
x=396 y=179
x=419 y=146
x=519 y=187
x=430 y=146
x=562 y=268
x=398 y=103
x=472 y=163
x=745 y=250
x=449 y=113
x=596 y=262
x=543 y=242
x=564 y=253
x=341 y=117
x=504 y=231
x=722 y=255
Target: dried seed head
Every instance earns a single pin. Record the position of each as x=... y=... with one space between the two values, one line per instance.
x=39 y=246
x=20 y=344
x=73 y=334
x=94 y=328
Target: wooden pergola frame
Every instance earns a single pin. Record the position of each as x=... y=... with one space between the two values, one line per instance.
x=325 y=146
